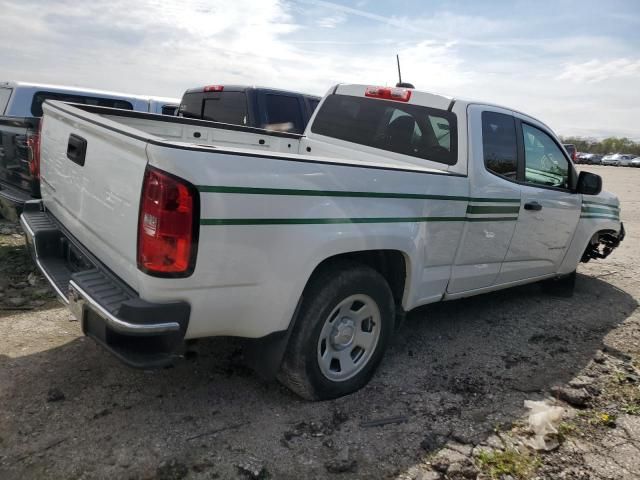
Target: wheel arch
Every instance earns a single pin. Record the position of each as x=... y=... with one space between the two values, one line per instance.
x=265 y=354
x=587 y=230
x=393 y=265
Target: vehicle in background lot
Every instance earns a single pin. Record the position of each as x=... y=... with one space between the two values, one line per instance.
x=267 y=108
x=589 y=158
x=617 y=159
x=635 y=162
x=571 y=150
x=625 y=160
x=20 y=112
x=156 y=229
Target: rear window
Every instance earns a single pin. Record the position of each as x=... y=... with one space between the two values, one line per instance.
x=414 y=130
x=225 y=107
x=5 y=93
x=40 y=97
x=284 y=113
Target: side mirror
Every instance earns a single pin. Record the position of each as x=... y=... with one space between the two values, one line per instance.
x=589 y=183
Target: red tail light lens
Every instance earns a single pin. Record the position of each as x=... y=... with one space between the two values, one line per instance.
x=214 y=88
x=33 y=144
x=167 y=225
x=389 y=93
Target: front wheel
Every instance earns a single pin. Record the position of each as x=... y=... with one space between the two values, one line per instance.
x=341 y=332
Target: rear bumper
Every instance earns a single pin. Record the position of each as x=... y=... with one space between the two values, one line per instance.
x=142 y=334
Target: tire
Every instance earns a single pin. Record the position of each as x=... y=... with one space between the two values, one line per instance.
x=319 y=345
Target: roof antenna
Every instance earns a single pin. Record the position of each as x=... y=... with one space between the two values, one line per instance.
x=400 y=83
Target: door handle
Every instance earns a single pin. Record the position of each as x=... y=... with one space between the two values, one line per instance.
x=77 y=149
x=535 y=206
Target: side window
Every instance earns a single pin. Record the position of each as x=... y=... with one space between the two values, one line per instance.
x=5 y=93
x=544 y=162
x=169 y=110
x=499 y=144
x=226 y=107
x=283 y=113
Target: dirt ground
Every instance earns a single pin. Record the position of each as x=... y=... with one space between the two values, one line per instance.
x=452 y=383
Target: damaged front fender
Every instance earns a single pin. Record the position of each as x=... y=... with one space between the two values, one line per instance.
x=602 y=244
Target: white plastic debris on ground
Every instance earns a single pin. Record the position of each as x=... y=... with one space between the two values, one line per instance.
x=544 y=418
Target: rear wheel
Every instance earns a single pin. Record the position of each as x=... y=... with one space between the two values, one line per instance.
x=341 y=333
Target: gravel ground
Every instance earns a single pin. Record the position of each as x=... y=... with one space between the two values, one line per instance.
x=448 y=396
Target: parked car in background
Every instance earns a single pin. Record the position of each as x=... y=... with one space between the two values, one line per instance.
x=625 y=160
x=635 y=162
x=611 y=159
x=589 y=158
x=309 y=246
x=20 y=112
x=266 y=108
x=571 y=150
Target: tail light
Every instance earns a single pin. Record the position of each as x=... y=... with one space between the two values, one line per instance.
x=167 y=225
x=33 y=144
x=389 y=93
x=214 y=88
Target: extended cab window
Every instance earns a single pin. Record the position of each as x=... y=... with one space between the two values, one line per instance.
x=40 y=97
x=544 y=162
x=225 y=107
x=499 y=144
x=283 y=113
x=414 y=130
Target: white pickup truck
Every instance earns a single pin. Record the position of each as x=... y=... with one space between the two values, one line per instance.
x=157 y=229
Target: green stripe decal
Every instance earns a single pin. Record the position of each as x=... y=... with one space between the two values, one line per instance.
x=606 y=211
x=495 y=200
x=500 y=209
x=608 y=217
x=325 y=221
x=491 y=219
x=342 y=193
x=588 y=202
x=325 y=193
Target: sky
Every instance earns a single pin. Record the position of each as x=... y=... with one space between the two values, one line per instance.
x=575 y=65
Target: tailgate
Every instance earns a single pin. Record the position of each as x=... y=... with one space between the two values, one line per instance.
x=92 y=171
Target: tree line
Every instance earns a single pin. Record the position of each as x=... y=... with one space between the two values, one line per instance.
x=608 y=145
